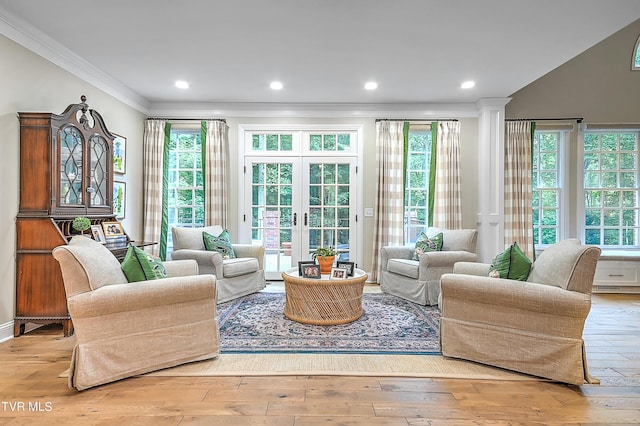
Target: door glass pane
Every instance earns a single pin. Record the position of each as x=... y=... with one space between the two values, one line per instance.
x=329 y=224
x=271 y=142
x=272 y=213
x=99 y=173
x=330 y=142
x=70 y=166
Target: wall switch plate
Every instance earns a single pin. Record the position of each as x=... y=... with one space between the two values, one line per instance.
x=368 y=212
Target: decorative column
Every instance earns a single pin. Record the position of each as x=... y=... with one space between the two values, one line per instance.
x=491 y=177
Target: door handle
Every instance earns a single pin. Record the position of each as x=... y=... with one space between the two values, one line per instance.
x=295 y=219
x=305 y=219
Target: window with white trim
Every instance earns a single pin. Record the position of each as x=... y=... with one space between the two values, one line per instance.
x=546 y=197
x=416 y=195
x=185 y=183
x=611 y=189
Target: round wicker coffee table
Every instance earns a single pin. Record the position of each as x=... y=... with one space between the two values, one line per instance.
x=323 y=301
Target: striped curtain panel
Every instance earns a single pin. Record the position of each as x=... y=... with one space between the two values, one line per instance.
x=518 y=210
x=215 y=142
x=389 y=203
x=447 y=209
x=152 y=185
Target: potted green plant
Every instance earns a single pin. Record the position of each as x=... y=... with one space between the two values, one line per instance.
x=325 y=257
x=81 y=224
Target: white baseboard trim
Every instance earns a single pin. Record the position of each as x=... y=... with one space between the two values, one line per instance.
x=6 y=330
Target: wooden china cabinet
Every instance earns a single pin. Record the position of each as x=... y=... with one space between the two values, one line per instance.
x=66 y=170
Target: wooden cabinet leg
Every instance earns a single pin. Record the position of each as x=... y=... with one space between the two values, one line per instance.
x=18 y=329
x=67 y=328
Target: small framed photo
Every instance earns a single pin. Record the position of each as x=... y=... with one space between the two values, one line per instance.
x=338 y=273
x=98 y=234
x=303 y=263
x=112 y=229
x=119 y=199
x=119 y=154
x=311 y=271
x=349 y=266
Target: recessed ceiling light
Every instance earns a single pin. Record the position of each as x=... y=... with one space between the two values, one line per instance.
x=180 y=84
x=468 y=84
x=371 y=85
x=276 y=85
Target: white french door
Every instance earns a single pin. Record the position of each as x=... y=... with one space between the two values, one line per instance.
x=300 y=191
x=301 y=203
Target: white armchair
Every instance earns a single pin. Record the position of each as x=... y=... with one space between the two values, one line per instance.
x=124 y=329
x=534 y=326
x=419 y=280
x=235 y=277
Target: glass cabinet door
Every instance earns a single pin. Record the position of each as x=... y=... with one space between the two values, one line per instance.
x=98 y=188
x=71 y=154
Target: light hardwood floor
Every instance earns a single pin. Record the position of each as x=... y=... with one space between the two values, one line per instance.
x=31 y=392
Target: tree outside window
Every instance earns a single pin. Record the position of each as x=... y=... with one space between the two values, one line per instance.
x=611 y=188
x=416 y=196
x=546 y=187
x=185 y=183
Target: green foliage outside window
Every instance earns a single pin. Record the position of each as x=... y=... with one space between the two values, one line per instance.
x=330 y=142
x=546 y=187
x=186 y=181
x=611 y=188
x=272 y=142
x=416 y=196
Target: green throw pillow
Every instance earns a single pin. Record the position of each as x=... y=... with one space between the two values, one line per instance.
x=512 y=264
x=140 y=266
x=425 y=244
x=221 y=244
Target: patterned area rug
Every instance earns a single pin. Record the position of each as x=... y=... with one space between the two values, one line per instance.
x=389 y=325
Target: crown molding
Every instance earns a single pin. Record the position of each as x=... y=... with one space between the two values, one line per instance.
x=312 y=110
x=39 y=43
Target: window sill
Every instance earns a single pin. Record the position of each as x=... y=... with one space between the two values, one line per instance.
x=620 y=254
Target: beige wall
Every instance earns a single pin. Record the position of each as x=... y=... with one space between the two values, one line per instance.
x=30 y=83
x=597 y=85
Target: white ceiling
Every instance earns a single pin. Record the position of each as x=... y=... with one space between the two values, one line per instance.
x=323 y=51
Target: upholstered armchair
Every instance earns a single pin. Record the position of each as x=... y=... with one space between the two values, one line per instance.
x=534 y=326
x=419 y=280
x=124 y=329
x=235 y=277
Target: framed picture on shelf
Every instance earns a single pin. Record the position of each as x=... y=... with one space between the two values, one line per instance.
x=112 y=229
x=311 y=271
x=119 y=154
x=338 y=273
x=303 y=263
x=349 y=266
x=119 y=199
x=98 y=234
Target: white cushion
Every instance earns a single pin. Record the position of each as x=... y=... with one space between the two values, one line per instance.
x=239 y=266
x=406 y=267
x=191 y=238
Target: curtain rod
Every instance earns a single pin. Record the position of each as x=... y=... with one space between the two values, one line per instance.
x=187 y=119
x=416 y=119
x=578 y=119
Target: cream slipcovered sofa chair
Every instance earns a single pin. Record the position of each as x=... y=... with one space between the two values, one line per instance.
x=532 y=326
x=235 y=277
x=419 y=280
x=124 y=329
